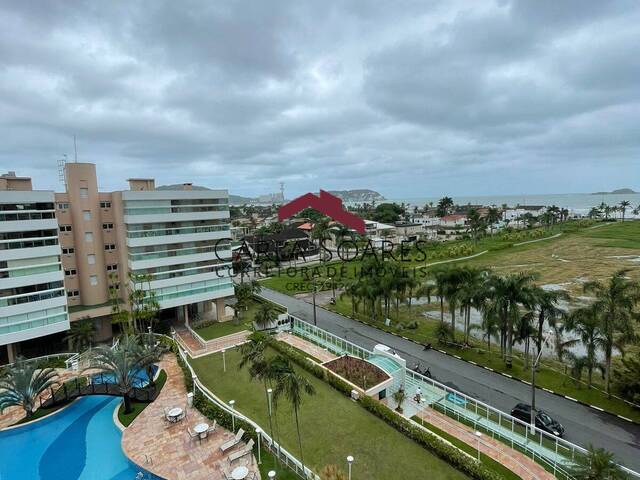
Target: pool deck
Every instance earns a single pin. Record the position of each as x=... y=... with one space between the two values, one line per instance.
x=166 y=449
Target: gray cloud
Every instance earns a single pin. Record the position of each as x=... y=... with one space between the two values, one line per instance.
x=411 y=98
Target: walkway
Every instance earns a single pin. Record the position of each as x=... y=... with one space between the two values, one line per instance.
x=312 y=349
x=166 y=449
x=195 y=347
x=515 y=461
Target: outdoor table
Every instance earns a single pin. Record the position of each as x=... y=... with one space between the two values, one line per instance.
x=201 y=429
x=174 y=413
x=239 y=473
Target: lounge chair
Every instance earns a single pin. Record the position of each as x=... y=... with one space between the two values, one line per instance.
x=192 y=434
x=246 y=450
x=233 y=442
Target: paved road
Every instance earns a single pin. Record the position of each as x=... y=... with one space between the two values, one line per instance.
x=583 y=425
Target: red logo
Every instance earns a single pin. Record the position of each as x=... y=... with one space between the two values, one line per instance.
x=326 y=203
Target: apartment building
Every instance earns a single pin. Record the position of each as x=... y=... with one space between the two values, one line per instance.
x=178 y=238
x=32 y=292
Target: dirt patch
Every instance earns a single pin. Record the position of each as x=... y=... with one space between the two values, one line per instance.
x=359 y=372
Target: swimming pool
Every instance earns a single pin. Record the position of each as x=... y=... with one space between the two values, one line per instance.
x=79 y=443
x=140 y=378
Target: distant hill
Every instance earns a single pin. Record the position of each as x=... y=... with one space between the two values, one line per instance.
x=239 y=200
x=180 y=186
x=619 y=191
x=358 y=196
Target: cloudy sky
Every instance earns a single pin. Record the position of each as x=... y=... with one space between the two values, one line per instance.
x=410 y=98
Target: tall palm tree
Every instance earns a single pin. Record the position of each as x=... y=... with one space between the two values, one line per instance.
x=546 y=304
x=524 y=331
x=452 y=293
x=122 y=362
x=597 y=464
x=506 y=295
x=585 y=322
x=293 y=386
x=471 y=294
x=22 y=384
x=265 y=315
x=81 y=334
x=615 y=303
x=624 y=204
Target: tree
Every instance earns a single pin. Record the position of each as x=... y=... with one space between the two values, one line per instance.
x=471 y=294
x=399 y=396
x=454 y=279
x=22 y=384
x=493 y=217
x=594 y=213
x=265 y=315
x=122 y=362
x=506 y=294
x=320 y=233
x=624 y=204
x=80 y=335
x=626 y=380
x=144 y=306
x=615 y=303
x=445 y=204
x=476 y=224
x=596 y=464
x=387 y=213
x=244 y=293
x=292 y=386
x=546 y=304
x=585 y=322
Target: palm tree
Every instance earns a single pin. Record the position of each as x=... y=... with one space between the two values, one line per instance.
x=122 y=362
x=585 y=322
x=293 y=386
x=546 y=304
x=615 y=303
x=624 y=204
x=452 y=292
x=444 y=206
x=22 y=384
x=506 y=294
x=399 y=396
x=594 y=213
x=493 y=217
x=471 y=294
x=80 y=335
x=265 y=315
x=597 y=464
x=524 y=332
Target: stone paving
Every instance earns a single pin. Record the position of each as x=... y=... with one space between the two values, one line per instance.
x=312 y=349
x=166 y=449
x=515 y=461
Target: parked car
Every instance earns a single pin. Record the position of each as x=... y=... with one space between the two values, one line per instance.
x=522 y=411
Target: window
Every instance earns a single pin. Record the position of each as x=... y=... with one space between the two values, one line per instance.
x=107 y=226
x=93 y=280
x=109 y=247
x=105 y=204
x=91 y=259
x=65 y=228
x=68 y=251
x=71 y=272
x=112 y=268
x=88 y=236
x=86 y=214
x=73 y=293
x=115 y=286
x=63 y=206
x=84 y=193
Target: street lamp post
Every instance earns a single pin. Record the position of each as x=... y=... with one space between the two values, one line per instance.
x=349 y=462
x=534 y=368
x=478 y=435
x=232 y=404
x=224 y=362
x=271 y=474
x=333 y=288
x=258 y=434
x=315 y=319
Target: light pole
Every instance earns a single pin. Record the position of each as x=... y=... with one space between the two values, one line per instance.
x=233 y=415
x=349 y=462
x=315 y=320
x=258 y=434
x=333 y=288
x=271 y=474
x=224 y=362
x=478 y=435
x=534 y=367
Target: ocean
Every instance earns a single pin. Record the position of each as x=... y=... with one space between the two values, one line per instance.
x=578 y=203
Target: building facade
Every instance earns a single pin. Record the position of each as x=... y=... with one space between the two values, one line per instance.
x=177 y=240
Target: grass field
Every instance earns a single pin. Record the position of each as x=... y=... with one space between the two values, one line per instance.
x=332 y=426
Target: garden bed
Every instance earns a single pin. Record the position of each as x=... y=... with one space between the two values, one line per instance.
x=357 y=371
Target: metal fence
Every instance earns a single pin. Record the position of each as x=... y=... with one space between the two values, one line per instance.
x=553 y=453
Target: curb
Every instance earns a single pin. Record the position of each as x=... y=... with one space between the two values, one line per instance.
x=580 y=402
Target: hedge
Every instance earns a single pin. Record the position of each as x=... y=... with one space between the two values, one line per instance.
x=446 y=452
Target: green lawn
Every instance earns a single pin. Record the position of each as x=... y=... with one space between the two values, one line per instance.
x=332 y=426
x=221 y=329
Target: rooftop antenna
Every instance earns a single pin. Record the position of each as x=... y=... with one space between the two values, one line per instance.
x=282 y=191
x=61 y=176
x=75 y=149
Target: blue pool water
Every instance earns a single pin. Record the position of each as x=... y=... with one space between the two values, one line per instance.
x=140 y=379
x=78 y=443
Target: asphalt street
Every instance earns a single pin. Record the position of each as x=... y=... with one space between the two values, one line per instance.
x=583 y=425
